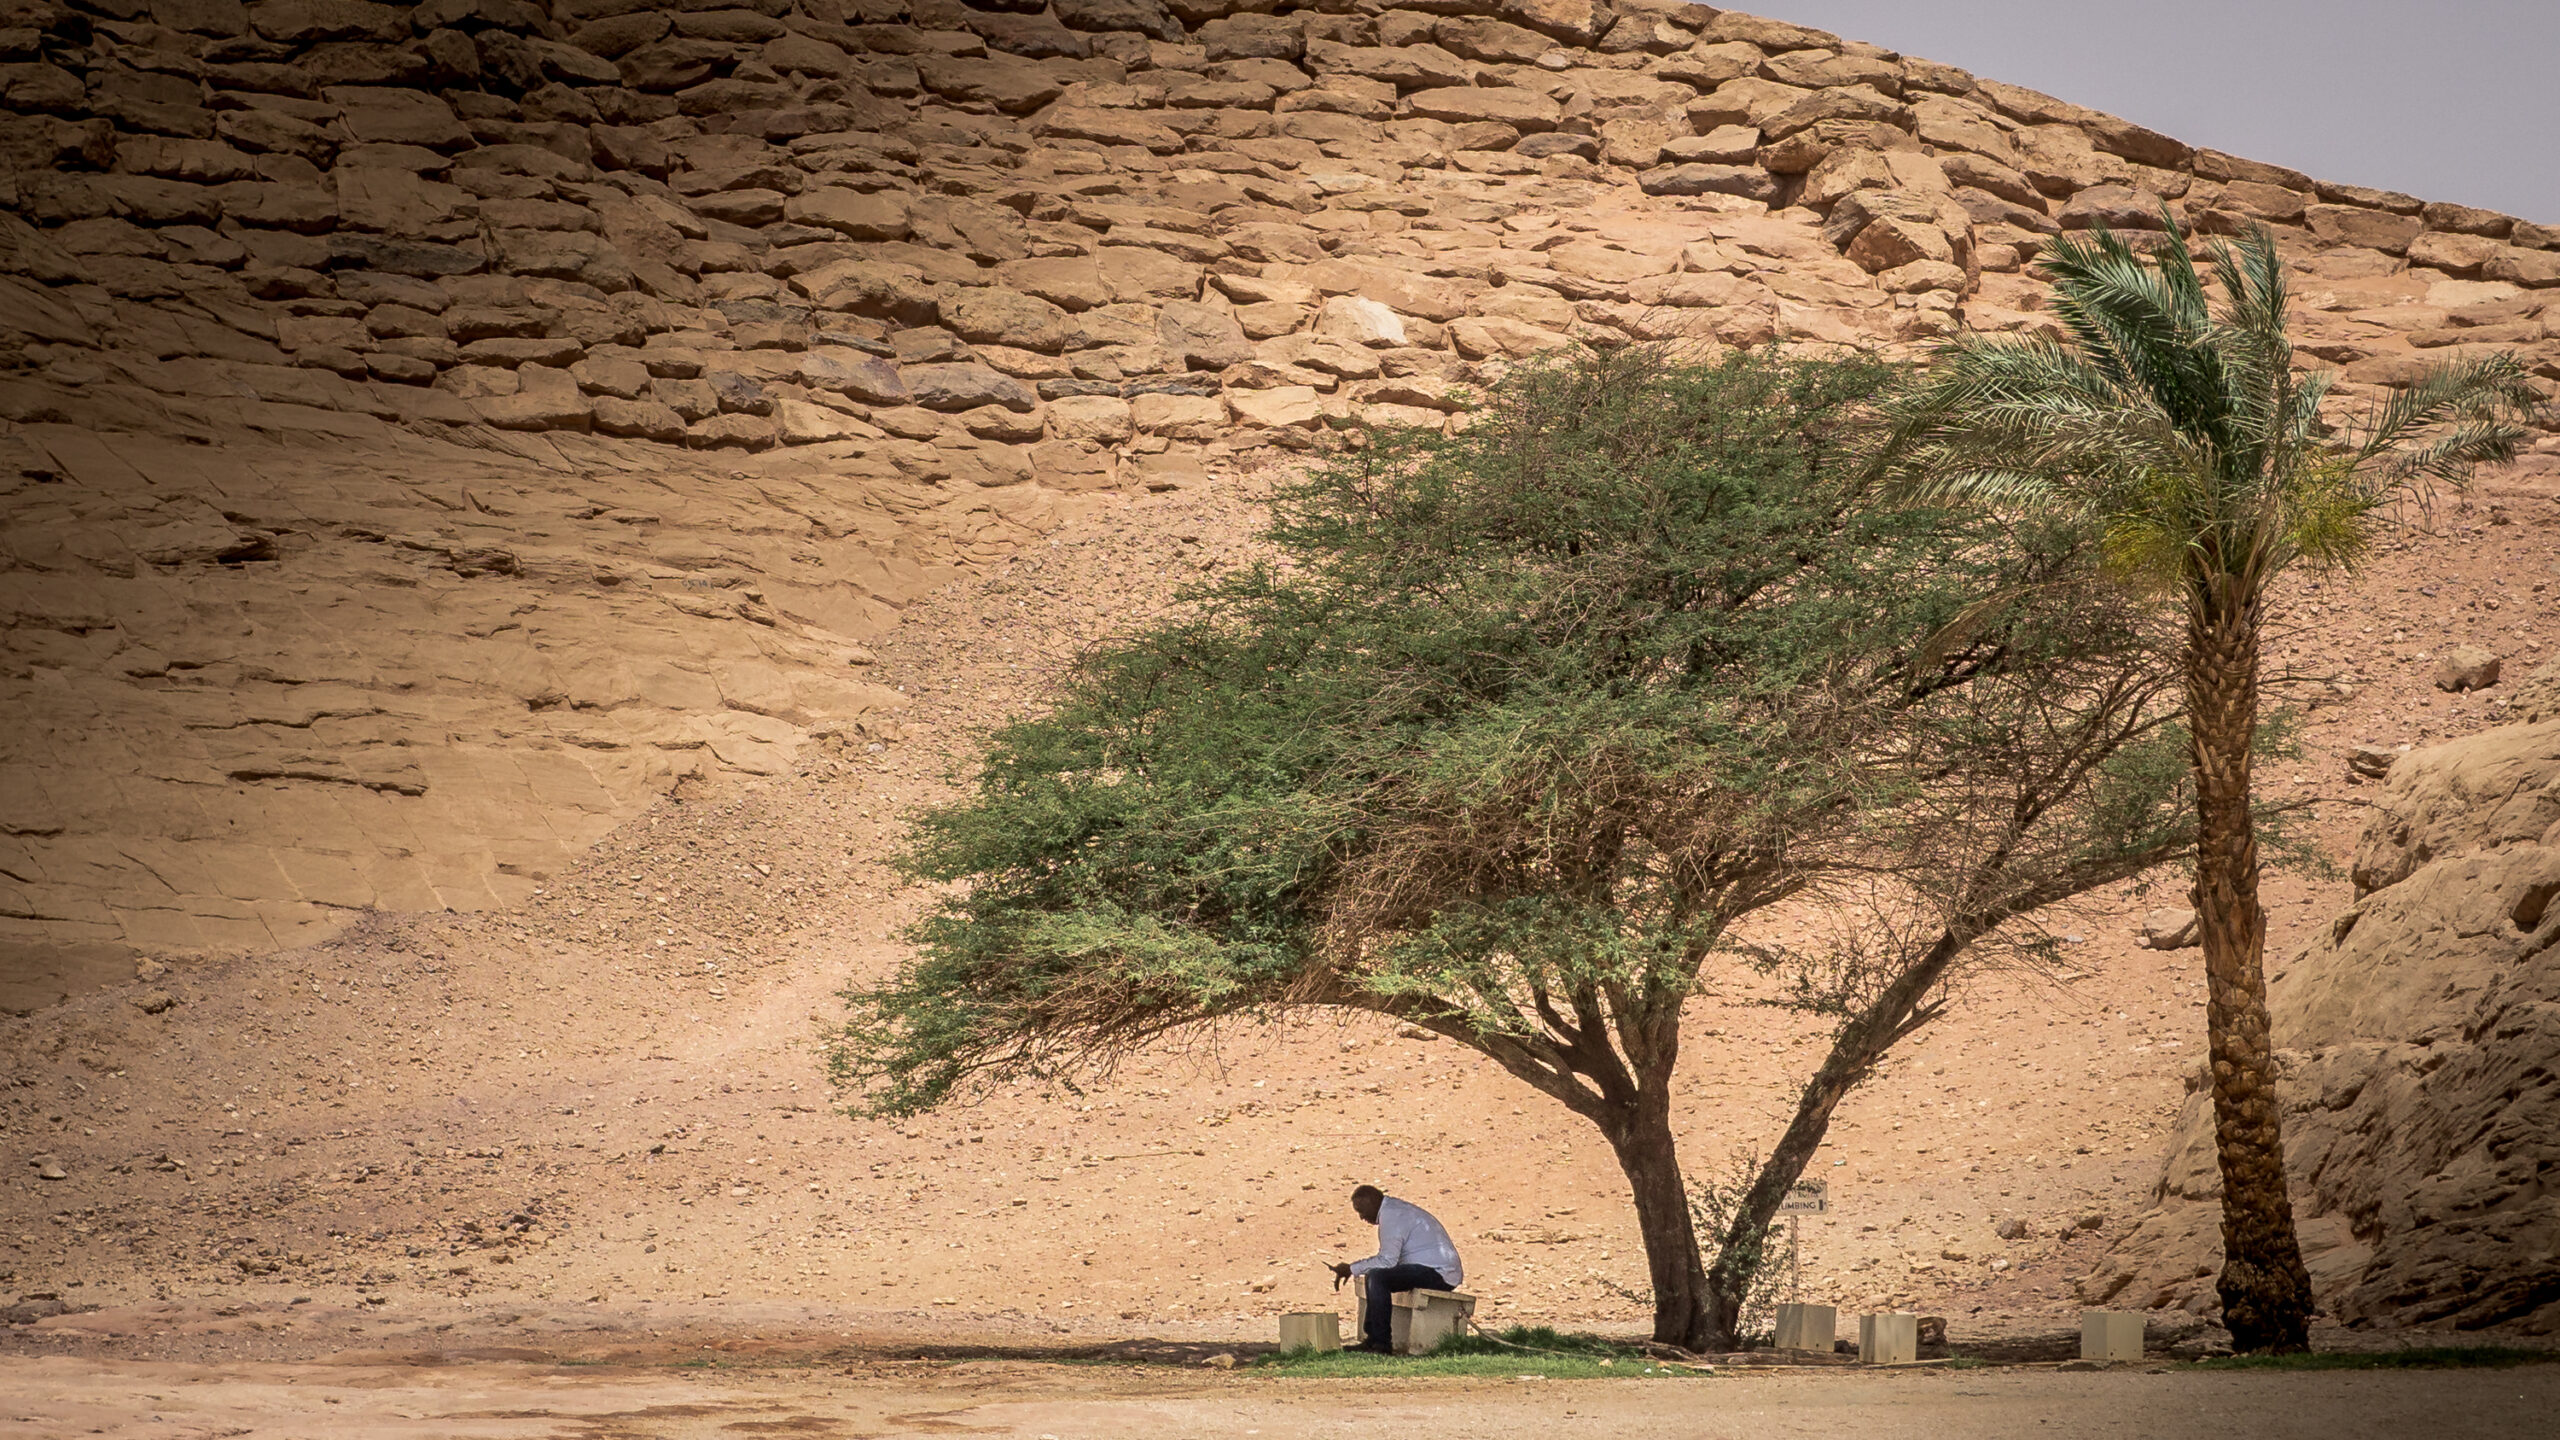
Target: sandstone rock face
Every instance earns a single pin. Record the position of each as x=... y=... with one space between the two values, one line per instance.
x=2422 y=1115
x=335 y=320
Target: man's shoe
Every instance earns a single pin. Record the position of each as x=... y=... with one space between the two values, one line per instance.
x=1366 y=1349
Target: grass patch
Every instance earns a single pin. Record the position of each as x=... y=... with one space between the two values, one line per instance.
x=1518 y=1352
x=2423 y=1357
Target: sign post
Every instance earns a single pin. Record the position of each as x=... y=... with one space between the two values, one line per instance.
x=1805 y=1197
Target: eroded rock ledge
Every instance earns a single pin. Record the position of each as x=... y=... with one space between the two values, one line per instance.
x=430 y=429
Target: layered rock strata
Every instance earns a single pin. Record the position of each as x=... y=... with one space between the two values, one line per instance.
x=376 y=377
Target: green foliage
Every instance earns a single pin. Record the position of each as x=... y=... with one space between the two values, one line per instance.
x=1511 y=729
x=2177 y=422
x=1760 y=1258
x=1519 y=1350
x=1542 y=1338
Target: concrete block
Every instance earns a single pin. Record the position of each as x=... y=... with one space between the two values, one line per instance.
x=2109 y=1336
x=1423 y=1318
x=1418 y=1319
x=1311 y=1330
x=1807 y=1327
x=1889 y=1339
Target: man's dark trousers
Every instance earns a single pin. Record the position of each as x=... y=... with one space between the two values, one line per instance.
x=1376 y=1328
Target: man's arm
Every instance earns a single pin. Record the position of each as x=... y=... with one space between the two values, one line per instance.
x=1392 y=1240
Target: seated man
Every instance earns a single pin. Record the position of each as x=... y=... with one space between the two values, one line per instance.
x=1414 y=1253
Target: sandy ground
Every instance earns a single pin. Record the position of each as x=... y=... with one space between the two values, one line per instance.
x=602 y=1112
x=501 y=1400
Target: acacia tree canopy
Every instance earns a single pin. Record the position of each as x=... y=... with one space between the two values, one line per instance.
x=1507 y=733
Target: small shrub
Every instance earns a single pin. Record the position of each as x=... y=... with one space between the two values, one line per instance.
x=1766 y=1258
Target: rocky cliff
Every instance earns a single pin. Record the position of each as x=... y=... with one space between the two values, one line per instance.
x=431 y=431
x=2422 y=1111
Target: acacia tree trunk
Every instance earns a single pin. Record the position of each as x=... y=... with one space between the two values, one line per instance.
x=1641 y=1135
x=2266 y=1293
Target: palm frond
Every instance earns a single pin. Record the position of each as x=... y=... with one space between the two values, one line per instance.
x=2490 y=388
x=2178 y=423
x=2144 y=322
x=2451 y=456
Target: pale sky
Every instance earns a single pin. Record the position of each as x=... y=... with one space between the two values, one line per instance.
x=2444 y=99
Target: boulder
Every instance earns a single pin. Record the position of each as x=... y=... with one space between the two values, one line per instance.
x=1107 y=127
x=535 y=410
x=1483 y=337
x=1521 y=109
x=2373 y=762
x=1709 y=64
x=1351 y=320
x=1495 y=42
x=1206 y=337
x=1179 y=417
x=2362 y=228
x=1403 y=291
x=2467 y=220
x=1571 y=22
x=952 y=387
x=993 y=315
x=2530 y=269
x=854 y=375
x=2466 y=667
x=1724 y=145
x=1146 y=17
x=1748 y=181
x=798 y=422
x=1406 y=67
x=1011 y=86
x=2173 y=928
x=733 y=432
x=1251 y=37
x=1281 y=407
x=2462 y=255
x=384 y=115
x=850 y=213
x=870 y=287
x=1103 y=418
x=2117 y=207
x=2538 y=698
x=1892 y=241
x=638 y=420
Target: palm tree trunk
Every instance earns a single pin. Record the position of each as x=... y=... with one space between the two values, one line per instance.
x=2266 y=1293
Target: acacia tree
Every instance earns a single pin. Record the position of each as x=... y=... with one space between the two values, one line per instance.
x=1514 y=730
x=2178 y=426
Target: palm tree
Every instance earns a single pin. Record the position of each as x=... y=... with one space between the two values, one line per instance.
x=2176 y=422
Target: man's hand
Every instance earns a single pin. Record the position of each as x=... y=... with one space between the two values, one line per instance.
x=1340 y=1274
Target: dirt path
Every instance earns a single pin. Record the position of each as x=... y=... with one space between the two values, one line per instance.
x=503 y=1401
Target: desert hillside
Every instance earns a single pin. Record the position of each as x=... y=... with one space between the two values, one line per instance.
x=508 y=507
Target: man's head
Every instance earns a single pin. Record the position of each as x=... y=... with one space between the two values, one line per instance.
x=1366 y=1200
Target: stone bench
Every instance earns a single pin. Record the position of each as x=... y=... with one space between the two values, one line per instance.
x=1418 y=1320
